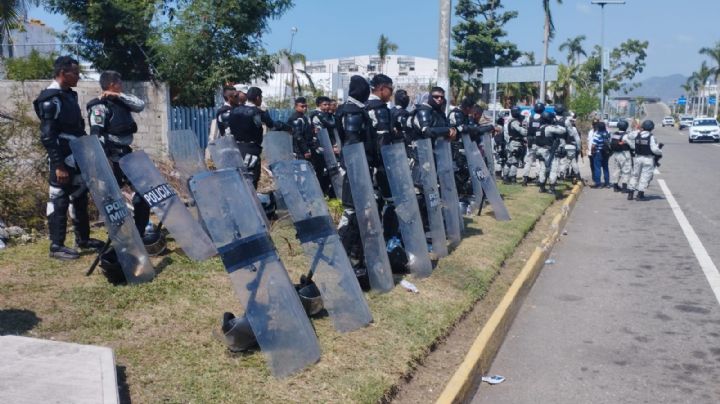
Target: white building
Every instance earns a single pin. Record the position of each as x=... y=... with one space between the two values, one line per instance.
x=333 y=75
x=33 y=35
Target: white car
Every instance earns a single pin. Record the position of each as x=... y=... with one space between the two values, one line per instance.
x=613 y=122
x=686 y=121
x=704 y=129
x=668 y=121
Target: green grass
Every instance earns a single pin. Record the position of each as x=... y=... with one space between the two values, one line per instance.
x=161 y=331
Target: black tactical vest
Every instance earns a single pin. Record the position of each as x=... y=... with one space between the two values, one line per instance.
x=642 y=144
x=617 y=144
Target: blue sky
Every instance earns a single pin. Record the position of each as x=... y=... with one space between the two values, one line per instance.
x=676 y=30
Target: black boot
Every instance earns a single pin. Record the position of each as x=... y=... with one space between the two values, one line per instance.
x=574 y=179
x=640 y=196
x=506 y=179
x=542 y=188
x=624 y=188
x=552 y=189
x=616 y=188
x=630 y=195
x=525 y=181
x=63 y=253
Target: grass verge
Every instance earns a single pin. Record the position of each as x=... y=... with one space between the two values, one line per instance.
x=161 y=331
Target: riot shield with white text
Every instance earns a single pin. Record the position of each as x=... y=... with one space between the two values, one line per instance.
x=330 y=268
x=448 y=190
x=407 y=210
x=366 y=209
x=429 y=179
x=167 y=205
x=259 y=278
x=331 y=162
x=98 y=176
x=479 y=170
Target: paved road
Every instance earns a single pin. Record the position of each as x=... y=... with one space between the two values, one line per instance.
x=626 y=314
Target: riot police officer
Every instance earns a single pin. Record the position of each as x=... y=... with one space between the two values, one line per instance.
x=302 y=131
x=572 y=145
x=647 y=151
x=515 y=134
x=620 y=159
x=550 y=142
x=246 y=126
x=320 y=119
x=533 y=125
x=222 y=116
x=60 y=122
x=110 y=118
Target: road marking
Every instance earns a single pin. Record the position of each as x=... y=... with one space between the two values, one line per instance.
x=706 y=263
x=716 y=145
x=656 y=172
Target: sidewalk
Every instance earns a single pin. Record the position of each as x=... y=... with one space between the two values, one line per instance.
x=638 y=325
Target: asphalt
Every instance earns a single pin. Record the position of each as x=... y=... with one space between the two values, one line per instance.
x=625 y=314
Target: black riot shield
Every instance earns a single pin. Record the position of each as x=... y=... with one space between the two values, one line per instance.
x=166 y=204
x=99 y=178
x=429 y=180
x=371 y=230
x=331 y=162
x=448 y=190
x=330 y=267
x=406 y=208
x=479 y=170
x=259 y=278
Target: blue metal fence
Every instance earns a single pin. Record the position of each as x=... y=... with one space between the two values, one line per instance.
x=199 y=119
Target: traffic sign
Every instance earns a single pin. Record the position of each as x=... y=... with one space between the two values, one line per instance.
x=712 y=100
x=682 y=101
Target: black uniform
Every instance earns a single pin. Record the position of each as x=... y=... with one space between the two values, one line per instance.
x=246 y=126
x=111 y=120
x=60 y=122
x=320 y=120
x=222 y=117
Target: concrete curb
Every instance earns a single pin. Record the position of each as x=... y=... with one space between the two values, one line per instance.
x=477 y=362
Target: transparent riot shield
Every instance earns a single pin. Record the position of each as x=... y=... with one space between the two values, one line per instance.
x=166 y=204
x=479 y=171
x=259 y=278
x=429 y=180
x=476 y=185
x=330 y=267
x=99 y=178
x=278 y=147
x=489 y=152
x=407 y=209
x=371 y=230
x=331 y=162
x=448 y=190
x=185 y=153
x=225 y=153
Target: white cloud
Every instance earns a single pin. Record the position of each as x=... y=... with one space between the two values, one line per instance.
x=583 y=7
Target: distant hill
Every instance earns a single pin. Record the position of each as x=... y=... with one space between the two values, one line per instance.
x=667 y=87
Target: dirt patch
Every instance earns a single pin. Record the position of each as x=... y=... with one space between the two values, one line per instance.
x=439 y=366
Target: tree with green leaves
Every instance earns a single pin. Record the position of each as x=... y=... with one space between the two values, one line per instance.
x=714 y=55
x=626 y=61
x=384 y=47
x=699 y=79
x=33 y=67
x=574 y=48
x=480 y=39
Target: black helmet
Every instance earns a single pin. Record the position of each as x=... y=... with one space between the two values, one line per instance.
x=623 y=125
x=539 y=107
x=648 y=125
x=236 y=333
x=559 y=110
x=309 y=297
x=515 y=112
x=154 y=242
x=547 y=117
x=111 y=268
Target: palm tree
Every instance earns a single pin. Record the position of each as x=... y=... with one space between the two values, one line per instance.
x=384 y=47
x=12 y=14
x=575 y=49
x=699 y=79
x=714 y=54
x=293 y=58
x=549 y=35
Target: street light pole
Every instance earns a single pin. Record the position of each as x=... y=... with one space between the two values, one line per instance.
x=443 y=76
x=602 y=4
x=293 y=31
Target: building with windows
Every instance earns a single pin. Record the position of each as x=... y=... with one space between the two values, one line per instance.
x=332 y=76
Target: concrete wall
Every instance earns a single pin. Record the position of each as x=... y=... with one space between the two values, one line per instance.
x=152 y=122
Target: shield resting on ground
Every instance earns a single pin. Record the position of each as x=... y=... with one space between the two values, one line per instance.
x=331 y=162
x=406 y=208
x=330 y=267
x=448 y=190
x=278 y=146
x=366 y=209
x=259 y=278
x=480 y=172
x=489 y=150
x=108 y=199
x=167 y=205
x=185 y=153
x=475 y=181
x=429 y=180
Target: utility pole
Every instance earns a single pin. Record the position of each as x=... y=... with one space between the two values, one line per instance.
x=602 y=4
x=293 y=31
x=443 y=75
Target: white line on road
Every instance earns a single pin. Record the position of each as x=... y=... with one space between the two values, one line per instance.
x=656 y=172
x=706 y=263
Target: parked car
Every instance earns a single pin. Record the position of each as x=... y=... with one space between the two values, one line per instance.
x=668 y=121
x=613 y=122
x=686 y=121
x=704 y=129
